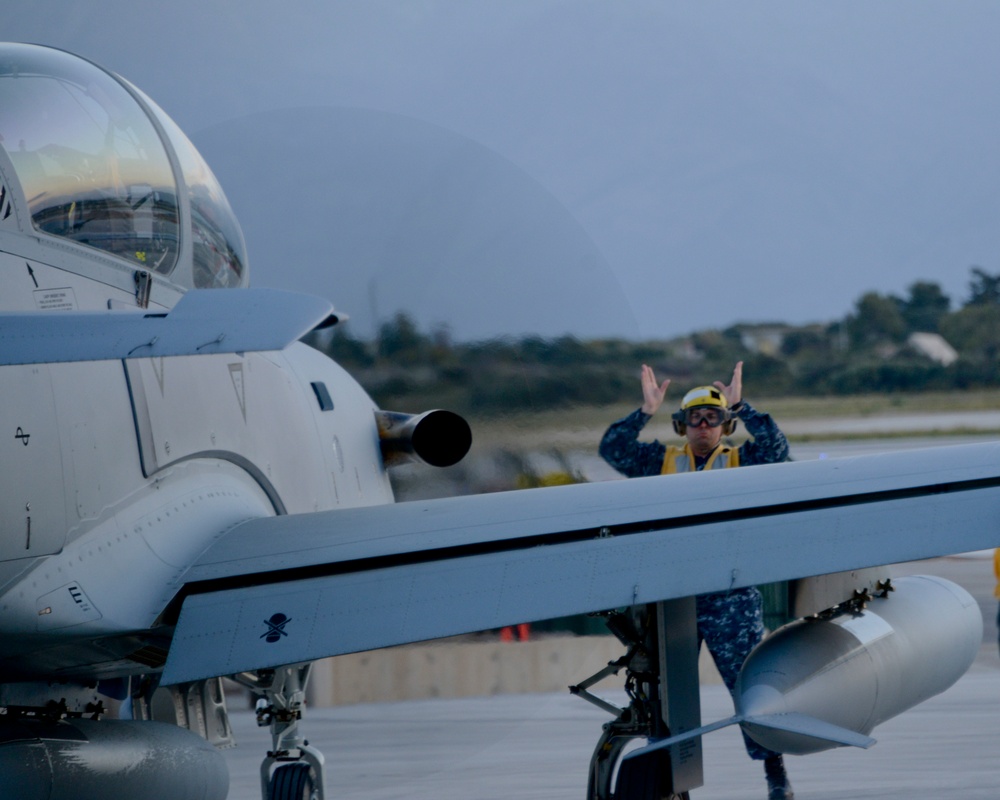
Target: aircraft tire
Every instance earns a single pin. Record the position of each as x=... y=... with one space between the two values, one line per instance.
x=292 y=782
x=642 y=779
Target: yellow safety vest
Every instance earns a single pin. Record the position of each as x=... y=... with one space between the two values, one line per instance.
x=677 y=459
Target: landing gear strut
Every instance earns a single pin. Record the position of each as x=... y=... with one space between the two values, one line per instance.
x=292 y=769
x=663 y=699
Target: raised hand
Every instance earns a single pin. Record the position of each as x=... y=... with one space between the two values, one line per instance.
x=652 y=392
x=734 y=391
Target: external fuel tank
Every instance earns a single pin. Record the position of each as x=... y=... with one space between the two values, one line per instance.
x=815 y=681
x=85 y=759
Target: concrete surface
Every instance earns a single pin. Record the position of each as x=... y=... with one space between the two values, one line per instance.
x=470 y=667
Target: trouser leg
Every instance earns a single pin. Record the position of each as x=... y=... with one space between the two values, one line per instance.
x=731 y=625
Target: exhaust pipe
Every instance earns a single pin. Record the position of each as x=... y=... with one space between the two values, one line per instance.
x=439 y=438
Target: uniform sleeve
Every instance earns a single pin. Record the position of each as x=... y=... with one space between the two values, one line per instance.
x=768 y=445
x=622 y=449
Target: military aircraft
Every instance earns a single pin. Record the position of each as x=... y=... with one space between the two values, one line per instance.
x=187 y=492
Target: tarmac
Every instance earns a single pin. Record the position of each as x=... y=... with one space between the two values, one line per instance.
x=539 y=745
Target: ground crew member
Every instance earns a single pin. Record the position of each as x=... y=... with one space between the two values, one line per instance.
x=730 y=623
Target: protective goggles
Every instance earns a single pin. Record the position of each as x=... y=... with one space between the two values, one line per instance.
x=713 y=417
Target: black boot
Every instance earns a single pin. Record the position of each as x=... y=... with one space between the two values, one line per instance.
x=778 y=786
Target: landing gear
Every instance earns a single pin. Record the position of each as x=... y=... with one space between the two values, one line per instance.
x=662 y=774
x=199 y=706
x=293 y=769
x=292 y=782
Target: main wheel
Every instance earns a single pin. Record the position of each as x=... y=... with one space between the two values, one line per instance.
x=292 y=782
x=644 y=778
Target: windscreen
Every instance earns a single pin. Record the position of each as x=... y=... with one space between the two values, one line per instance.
x=218 y=251
x=90 y=162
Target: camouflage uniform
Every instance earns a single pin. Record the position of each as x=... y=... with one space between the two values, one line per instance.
x=730 y=623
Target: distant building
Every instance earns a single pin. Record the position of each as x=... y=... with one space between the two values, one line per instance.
x=934 y=347
x=686 y=349
x=766 y=339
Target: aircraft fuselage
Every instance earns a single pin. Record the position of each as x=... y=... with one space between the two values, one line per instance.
x=116 y=474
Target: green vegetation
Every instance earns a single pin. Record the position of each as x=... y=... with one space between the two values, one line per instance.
x=866 y=363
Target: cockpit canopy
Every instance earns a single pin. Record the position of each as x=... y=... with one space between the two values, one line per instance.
x=102 y=165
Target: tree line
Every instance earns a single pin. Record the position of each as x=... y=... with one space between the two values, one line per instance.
x=870 y=350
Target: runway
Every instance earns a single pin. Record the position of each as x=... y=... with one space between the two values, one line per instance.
x=538 y=746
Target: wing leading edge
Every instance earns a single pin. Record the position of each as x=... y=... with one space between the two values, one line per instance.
x=290 y=589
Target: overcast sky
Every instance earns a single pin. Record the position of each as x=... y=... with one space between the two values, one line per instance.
x=641 y=169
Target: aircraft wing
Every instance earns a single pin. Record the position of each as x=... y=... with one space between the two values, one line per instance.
x=204 y=321
x=290 y=589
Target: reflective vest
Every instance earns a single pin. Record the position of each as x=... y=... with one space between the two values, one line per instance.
x=682 y=460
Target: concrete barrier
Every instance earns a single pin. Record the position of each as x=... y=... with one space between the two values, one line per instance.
x=464 y=667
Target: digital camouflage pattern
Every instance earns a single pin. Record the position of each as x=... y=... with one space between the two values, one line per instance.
x=622 y=449
x=732 y=624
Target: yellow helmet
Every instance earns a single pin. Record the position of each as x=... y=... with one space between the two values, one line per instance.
x=703 y=396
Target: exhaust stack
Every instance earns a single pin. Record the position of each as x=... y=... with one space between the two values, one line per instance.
x=439 y=438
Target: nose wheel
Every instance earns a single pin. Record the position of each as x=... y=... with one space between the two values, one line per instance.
x=292 y=782
x=292 y=769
